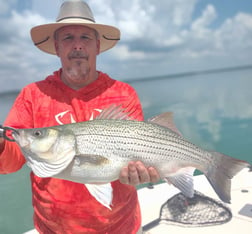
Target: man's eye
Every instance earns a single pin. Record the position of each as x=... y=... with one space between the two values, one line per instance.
x=86 y=37
x=67 y=38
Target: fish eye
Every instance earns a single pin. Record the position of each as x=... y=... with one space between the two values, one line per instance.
x=37 y=133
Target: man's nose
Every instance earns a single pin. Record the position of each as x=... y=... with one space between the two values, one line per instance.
x=78 y=45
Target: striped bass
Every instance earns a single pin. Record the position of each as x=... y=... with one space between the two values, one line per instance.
x=95 y=152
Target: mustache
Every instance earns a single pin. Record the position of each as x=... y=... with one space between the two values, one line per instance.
x=78 y=54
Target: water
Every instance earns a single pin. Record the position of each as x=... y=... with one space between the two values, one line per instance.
x=211 y=110
x=15 y=193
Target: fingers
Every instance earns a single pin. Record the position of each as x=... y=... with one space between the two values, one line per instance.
x=136 y=173
x=154 y=175
x=129 y=174
x=123 y=177
x=1 y=144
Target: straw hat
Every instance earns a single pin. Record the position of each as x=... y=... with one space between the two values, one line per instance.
x=73 y=12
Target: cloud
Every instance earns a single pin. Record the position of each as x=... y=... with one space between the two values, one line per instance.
x=207 y=17
x=22 y=63
x=165 y=31
x=158 y=37
x=6 y=6
x=236 y=33
x=144 y=19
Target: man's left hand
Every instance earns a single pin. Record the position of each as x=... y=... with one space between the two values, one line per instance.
x=136 y=173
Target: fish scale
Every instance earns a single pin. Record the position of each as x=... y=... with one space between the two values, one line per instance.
x=147 y=141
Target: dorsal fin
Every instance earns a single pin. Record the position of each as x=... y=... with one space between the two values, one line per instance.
x=165 y=120
x=114 y=112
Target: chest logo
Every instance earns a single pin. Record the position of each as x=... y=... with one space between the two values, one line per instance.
x=60 y=116
x=63 y=117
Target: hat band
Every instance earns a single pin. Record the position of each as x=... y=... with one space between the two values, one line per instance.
x=110 y=39
x=40 y=42
x=75 y=17
x=107 y=38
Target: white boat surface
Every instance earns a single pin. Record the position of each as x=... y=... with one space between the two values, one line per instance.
x=151 y=201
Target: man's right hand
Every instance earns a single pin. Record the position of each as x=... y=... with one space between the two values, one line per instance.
x=1 y=144
x=1 y=140
x=1 y=132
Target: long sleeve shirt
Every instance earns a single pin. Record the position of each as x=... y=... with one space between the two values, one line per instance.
x=62 y=206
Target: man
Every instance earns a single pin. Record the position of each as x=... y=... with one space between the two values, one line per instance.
x=76 y=92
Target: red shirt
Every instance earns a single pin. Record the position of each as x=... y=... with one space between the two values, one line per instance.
x=62 y=206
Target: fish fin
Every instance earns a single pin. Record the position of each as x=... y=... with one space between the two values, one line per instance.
x=183 y=180
x=165 y=120
x=220 y=176
x=91 y=159
x=103 y=193
x=114 y=112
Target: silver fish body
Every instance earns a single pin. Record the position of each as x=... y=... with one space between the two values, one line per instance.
x=111 y=144
x=98 y=149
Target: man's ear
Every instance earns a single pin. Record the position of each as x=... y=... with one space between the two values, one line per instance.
x=98 y=44
x=56 y=47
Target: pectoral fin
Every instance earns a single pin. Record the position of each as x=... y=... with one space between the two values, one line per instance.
x=183 y=180
x=95 y=160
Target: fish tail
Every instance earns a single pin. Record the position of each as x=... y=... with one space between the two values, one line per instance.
x=221 y=174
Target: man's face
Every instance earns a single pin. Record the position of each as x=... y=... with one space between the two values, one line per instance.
x=77 y=46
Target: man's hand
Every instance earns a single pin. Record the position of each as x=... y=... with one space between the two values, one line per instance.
x=136 y=173
x=1 y=139
x=1 y=131
x=1 y=144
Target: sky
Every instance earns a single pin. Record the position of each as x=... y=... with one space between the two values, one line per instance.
x=157 y=37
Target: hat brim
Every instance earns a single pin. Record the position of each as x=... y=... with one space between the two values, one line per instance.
x=43 y=35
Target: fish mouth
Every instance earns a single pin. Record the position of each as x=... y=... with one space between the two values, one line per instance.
x=10 y=134
x=15 y=134
x=18 y=137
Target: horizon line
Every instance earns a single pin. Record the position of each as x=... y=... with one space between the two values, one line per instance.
x=190 y=73
x=164 y=77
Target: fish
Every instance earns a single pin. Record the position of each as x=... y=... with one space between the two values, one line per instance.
x=95 y=151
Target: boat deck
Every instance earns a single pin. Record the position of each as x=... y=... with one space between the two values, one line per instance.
x=151 y=201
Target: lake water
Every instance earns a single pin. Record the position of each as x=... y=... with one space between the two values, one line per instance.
x=212 y=110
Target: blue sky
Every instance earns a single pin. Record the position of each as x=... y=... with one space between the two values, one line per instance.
x=158 y=37
x=225 y=8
